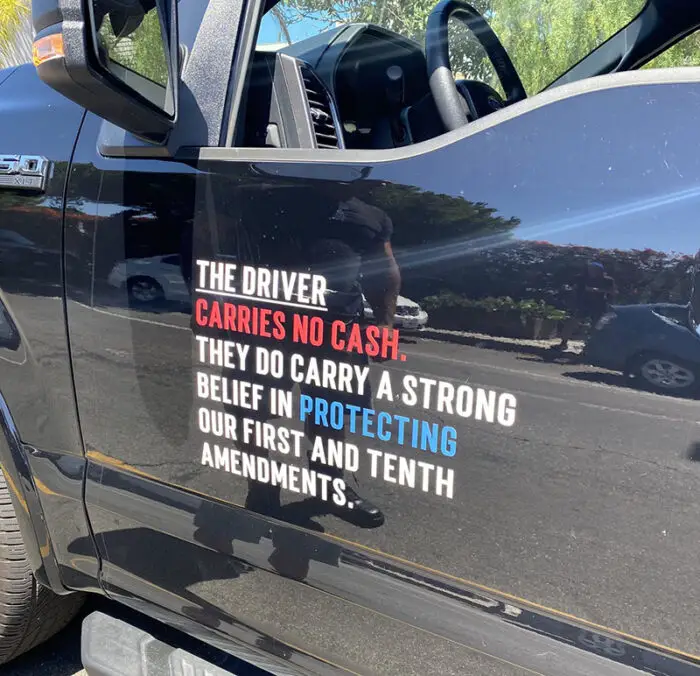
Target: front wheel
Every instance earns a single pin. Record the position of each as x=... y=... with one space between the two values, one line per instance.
x=666 y=374
x=29 y=613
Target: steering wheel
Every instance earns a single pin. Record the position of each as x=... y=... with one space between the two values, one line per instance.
x=460 y=102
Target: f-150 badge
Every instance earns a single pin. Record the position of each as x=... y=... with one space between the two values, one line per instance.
x=23 y=172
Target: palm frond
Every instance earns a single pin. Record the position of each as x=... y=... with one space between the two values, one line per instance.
x=14 y=16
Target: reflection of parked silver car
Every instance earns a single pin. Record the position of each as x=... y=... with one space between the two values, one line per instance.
x=409 y=315
x=150 y=280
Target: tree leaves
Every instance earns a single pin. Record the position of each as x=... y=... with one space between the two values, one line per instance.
x=682 y=54
x=13 y=14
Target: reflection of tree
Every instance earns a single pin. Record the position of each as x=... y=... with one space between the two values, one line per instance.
x=169 y=192
x=543 y=271
x=442 y=242
x=152 y=207
x=422 y=216
x=141 y=51
x=37 y=216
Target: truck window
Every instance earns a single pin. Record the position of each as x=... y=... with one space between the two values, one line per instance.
x=366 y=65
x=684 y=54
x=543 y=38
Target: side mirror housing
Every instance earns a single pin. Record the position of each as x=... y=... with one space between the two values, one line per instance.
x=117 y=58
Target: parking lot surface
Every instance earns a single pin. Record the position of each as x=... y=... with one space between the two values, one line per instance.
x=59 y=656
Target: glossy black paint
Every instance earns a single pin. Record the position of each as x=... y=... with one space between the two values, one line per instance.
x=579 y=522
x=42 y=454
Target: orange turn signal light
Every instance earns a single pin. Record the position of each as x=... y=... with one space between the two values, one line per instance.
x=47 y=48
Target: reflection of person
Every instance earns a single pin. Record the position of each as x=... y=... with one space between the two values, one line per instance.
x=593 y=292
x=355 y=255
x=352 y=250
x=349 y=243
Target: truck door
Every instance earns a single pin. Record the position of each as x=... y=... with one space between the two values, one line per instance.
x=407 y=409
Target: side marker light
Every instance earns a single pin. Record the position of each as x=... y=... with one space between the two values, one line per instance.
x=47 y=48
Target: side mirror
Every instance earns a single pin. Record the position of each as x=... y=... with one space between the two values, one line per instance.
x=117 y=58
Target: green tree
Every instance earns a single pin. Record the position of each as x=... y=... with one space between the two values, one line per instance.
x=13 y=14
x=683 y=53
x=545 y=39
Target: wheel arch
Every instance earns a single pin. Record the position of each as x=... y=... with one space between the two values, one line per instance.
x=14 y=463
x=142 y=275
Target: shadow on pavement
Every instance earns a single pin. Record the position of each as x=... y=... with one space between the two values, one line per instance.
x=694 y=452
x=486 y=342
x=554 y=357
x=59 y=656
x=602 y=377
x=619 y=380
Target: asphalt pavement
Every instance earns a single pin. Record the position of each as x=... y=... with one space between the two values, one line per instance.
x=60 y=656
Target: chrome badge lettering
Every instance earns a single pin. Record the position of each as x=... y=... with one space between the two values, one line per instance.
x=24 y=172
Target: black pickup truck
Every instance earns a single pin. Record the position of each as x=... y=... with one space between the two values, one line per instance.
x=196 y=201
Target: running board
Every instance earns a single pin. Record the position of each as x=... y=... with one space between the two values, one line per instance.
x=111 y=647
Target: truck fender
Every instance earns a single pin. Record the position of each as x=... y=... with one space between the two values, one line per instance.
x=14 y=464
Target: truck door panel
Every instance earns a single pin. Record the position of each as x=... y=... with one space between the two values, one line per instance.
x=568 y=506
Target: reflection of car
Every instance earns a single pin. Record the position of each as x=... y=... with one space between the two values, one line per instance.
x=653 y=343
x=149 y=280
x=17 y=250
x=409 y=315
x=22 y=257
x=9 y=239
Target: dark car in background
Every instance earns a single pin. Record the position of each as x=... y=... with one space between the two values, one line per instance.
x=20 y=255
x=656 y=344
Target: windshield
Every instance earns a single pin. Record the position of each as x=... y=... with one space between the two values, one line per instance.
x=543 y=37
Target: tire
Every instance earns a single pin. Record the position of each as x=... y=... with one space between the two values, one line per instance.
x=29 y=613
x=665 y=373
x=145 y=290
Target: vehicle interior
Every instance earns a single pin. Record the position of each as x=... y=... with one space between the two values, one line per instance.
x=364 y=86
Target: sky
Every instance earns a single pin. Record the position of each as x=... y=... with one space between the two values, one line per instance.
x=299 y=30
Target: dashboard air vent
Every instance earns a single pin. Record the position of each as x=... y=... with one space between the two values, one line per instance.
x=320 y=110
